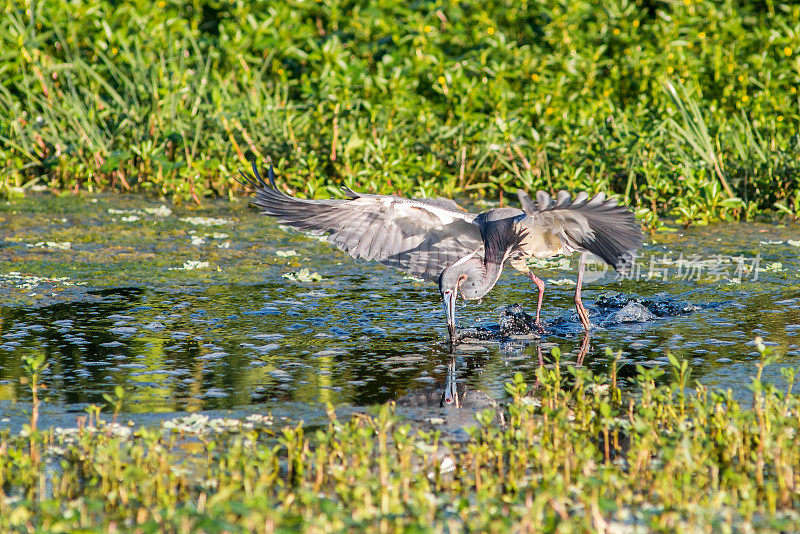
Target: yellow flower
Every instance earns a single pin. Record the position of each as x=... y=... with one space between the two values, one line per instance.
x=427 y=28
x=616 y=31
x=490 y=30
x=114 y=51
x=787 y=51
x=793 y=89
x=741 y=78
x=162 y=4
x=670 y=70
x=701 y=35
x=441 y=80
x=745 y=98
x=535 y=77
x=635 y=23
x=780 y=118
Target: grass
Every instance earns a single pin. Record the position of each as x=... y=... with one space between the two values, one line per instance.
x=571 y=453
x=687 y=109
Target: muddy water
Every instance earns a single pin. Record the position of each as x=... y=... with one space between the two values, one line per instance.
x=211 y=309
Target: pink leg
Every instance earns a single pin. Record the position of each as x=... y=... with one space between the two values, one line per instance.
x=540 y=286
x=583 y=315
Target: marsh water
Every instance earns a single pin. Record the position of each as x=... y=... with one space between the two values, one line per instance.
x=218 y=309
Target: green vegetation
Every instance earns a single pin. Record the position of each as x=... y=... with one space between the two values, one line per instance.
x=685 y=108
x=573 y=453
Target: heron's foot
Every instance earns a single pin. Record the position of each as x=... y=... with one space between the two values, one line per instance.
x=539 y=326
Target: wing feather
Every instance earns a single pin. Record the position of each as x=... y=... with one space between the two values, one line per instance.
x=419 y=236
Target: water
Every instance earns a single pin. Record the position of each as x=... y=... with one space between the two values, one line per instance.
x=189 y=309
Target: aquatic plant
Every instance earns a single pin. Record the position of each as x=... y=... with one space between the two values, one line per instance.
x=686 y=109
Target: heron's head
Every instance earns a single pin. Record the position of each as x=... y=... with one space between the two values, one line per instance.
x=466 y=276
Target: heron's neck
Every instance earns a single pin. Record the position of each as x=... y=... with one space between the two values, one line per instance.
x=484 y=277
x=492 y=271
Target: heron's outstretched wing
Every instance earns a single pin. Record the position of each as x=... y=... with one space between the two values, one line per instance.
x=598 y=225
x=418 y=236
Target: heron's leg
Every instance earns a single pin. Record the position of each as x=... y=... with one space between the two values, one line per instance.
x=582 y=313
x=540 y=286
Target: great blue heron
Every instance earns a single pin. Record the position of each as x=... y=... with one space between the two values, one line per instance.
x=437 y=240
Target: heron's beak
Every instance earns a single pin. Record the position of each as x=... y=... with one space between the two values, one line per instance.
x=449 y=299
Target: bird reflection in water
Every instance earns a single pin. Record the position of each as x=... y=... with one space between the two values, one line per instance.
x=450 y=395
x=581 y=356
x=458 y=402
